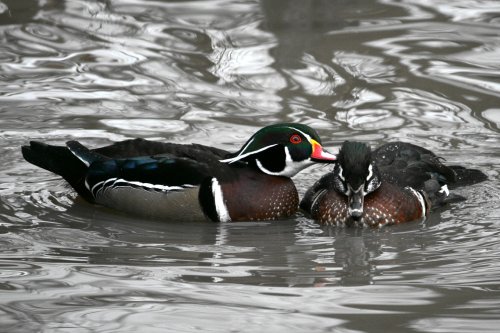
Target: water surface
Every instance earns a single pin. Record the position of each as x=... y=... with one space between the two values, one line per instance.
x=214 y=72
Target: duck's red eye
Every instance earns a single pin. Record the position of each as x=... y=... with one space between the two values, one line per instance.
x=295 y=139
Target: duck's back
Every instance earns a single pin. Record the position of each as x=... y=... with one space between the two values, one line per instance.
x=142 y=147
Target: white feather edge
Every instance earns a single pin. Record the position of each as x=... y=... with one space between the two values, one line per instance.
x=420 y=199
x=444 y=189
x=241 y=156
x=115 y=182
x=87 y=163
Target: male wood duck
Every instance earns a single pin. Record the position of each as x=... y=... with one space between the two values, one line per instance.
x=190 y=182
x=398 y=182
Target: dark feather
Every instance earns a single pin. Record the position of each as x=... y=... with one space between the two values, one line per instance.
x=406 y=164
x=160 y=169
x=466 y=177
x=142 y=147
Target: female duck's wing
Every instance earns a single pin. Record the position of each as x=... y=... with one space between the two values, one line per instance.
x=406 y=164
x=409 y=165
x=315 y=192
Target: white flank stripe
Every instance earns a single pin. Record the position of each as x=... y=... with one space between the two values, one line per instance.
x=220 y=206
x=118 y=182
x=147 y=185
x=102 y=184
x=99 y=184
x=420 y=199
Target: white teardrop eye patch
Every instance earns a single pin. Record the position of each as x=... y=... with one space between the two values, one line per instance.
x=339 y=181
x=372 y=180
x=370 y=172
x=341 y=173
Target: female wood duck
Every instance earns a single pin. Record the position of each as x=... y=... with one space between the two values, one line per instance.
x=398 y=182
x=190 y=182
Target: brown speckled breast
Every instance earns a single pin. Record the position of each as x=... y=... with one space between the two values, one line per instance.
x=260 y=197
x=389 y=204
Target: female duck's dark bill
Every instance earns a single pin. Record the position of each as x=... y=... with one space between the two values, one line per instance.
x=320 y=155
x=355 y=203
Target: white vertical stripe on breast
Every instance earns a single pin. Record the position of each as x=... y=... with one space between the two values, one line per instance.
x=220 y=206
x=420 y=199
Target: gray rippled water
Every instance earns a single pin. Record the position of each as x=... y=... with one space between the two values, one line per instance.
x=213 y=72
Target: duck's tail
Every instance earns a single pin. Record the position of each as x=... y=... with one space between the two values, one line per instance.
x=439 y=194
x=464 y=176
x=70 y=162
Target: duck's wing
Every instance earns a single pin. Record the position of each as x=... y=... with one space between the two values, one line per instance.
x=163 y=172
x=406 y=164
x=315 y=192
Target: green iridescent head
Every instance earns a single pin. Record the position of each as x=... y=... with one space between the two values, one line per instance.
x=283 y=149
